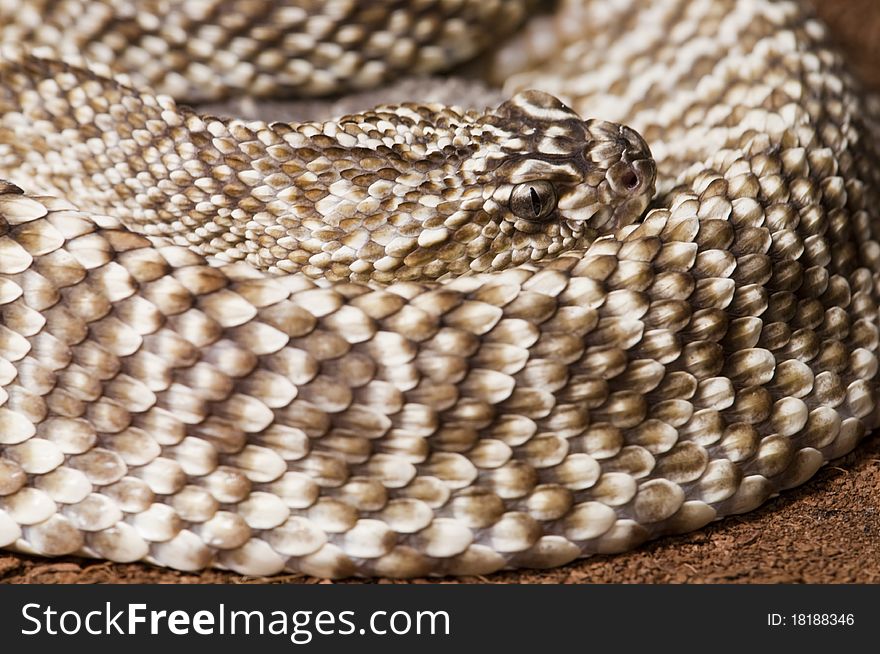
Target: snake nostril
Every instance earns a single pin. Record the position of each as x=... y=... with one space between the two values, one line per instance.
x=630 y=180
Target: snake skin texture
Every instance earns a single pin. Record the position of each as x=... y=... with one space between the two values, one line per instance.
x=422 y=340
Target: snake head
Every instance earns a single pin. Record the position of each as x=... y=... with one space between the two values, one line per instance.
x=428 y=192
x=482 y=191
x=556 y=167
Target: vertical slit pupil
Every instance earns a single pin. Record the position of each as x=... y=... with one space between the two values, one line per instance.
x=536 y=201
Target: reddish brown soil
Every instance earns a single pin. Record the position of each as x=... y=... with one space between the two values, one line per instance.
x=827 y=531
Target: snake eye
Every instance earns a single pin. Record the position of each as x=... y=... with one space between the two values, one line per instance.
x=533 y=201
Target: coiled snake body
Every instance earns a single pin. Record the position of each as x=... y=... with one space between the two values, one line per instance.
x=419 y=339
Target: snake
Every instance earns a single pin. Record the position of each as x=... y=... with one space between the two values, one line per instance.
x=425 y=336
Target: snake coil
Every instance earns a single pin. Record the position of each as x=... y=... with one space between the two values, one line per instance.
x=422 y=339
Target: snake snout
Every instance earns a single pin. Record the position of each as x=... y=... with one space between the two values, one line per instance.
x=642 y=171
x=633 y=177
x=634 y=146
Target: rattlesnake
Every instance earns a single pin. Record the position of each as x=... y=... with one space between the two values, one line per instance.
x=422 y=339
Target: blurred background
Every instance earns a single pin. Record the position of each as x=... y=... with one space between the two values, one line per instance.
x=855 y=25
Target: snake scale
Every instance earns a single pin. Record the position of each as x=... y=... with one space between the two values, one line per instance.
x=419 y=339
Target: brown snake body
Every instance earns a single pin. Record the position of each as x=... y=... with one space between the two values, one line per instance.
x=420 y=339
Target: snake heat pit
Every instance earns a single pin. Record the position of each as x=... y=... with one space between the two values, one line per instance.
x=639 y=294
